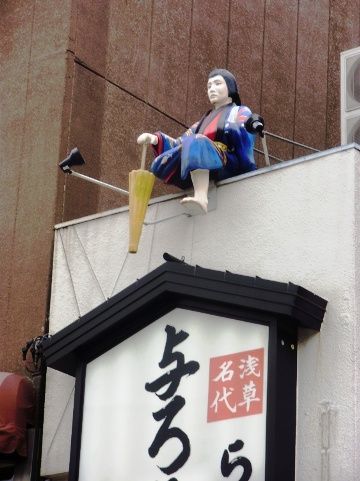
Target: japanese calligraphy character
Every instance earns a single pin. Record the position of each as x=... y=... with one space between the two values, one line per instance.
x=173 y=377
x=227 y=466
x=225 y=374
x=248 y=367
x=249 y=393
x=224 y=398
x=166 y=432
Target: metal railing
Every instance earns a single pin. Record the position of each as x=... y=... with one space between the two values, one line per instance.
x=284 y=139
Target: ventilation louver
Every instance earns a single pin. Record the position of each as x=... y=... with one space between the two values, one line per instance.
x=350 y=96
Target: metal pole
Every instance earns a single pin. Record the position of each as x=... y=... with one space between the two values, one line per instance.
x=266 y=153
x=98 y=182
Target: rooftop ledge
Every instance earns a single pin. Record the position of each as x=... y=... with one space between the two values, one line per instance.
x=238 y=178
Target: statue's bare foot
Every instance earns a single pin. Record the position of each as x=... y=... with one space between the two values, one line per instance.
x=194 y=206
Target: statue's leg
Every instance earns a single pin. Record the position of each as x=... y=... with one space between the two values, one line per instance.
x=199 y=202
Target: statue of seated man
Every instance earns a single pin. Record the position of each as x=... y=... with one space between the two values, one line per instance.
x=216 y=147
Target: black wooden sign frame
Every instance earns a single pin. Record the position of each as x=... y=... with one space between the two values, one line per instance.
x=282 y=307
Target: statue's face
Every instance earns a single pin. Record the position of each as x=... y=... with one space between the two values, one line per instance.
x=218 y=92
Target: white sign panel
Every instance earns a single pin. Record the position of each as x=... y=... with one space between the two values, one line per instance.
x=184 y=399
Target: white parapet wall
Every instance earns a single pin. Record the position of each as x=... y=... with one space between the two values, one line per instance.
x=297 y=222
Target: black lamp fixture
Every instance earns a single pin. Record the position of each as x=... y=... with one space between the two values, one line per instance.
x=74 y=158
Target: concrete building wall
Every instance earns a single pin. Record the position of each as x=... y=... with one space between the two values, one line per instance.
x=313 y=203
x=143 y=65
x=33 y=65
x=95 y=74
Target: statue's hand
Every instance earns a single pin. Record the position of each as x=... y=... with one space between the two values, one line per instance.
x=147 y=139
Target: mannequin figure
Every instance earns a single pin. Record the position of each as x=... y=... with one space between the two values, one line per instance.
x=217 y=147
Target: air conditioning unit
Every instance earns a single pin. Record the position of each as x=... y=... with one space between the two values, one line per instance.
x=350 y=96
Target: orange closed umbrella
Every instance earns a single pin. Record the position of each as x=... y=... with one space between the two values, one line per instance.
x=141 y=184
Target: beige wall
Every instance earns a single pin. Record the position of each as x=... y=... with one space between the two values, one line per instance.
x=313 y=202
x=95 y=74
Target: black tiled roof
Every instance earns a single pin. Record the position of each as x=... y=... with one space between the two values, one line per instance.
x=177 y=284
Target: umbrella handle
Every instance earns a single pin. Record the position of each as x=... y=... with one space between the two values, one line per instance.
x=143 y=156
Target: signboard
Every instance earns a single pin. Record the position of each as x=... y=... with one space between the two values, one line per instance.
x=183 y=399
x=165 y=392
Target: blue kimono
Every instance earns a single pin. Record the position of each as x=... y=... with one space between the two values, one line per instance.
x=219 y=142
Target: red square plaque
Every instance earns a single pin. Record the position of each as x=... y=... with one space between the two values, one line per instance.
x=236 y=385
